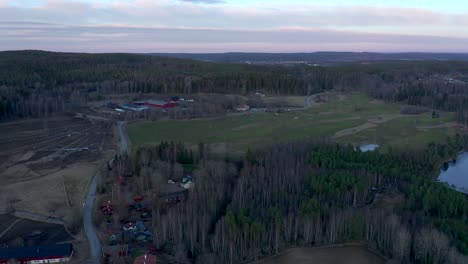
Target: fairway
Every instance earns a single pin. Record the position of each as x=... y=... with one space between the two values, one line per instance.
x=352 y=118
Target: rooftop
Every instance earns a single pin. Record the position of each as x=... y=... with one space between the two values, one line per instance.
x=58 y=250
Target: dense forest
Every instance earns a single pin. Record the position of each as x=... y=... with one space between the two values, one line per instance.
x=35 y=83
x=306 y=194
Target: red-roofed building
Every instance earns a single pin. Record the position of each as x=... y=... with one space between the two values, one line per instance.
x=107 y=208
x=156 y=103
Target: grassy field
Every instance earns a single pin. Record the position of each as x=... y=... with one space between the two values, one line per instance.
x=352 y=118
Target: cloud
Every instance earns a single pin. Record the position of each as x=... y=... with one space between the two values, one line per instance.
x=185 y=13
x=166 y=39
x=204 y=1
x=164 y=25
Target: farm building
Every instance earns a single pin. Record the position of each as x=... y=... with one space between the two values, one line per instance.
x=145 y=259
x=133 y=107
x=58 y=253
x=155 y=103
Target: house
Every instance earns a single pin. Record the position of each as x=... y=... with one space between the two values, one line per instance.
x=187 y=178
x=243 y=107
x=145 y=259
x=130 y=226
x=186 y=185
x=155 y=103
x=186 y=182
x=107 y=208
x=58 y=253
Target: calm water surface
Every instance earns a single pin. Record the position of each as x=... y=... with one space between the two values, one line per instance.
x=369 y=147
x=456 y=175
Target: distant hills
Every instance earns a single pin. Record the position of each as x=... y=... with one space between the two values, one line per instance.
x=316 y=57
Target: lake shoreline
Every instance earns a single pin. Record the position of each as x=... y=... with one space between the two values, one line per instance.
x=452 y=171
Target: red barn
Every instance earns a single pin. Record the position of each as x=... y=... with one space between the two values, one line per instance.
x=156 y=103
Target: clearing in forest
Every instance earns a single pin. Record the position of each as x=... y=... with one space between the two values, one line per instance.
x=354 y=118
x=326 y=255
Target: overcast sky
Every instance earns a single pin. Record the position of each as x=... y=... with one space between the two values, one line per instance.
x=234 y=25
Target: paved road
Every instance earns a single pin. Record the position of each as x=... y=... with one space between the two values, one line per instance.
x=89 y=228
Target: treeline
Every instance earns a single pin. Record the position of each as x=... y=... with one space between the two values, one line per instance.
x=34 y=83
x=67 y=76
x=306 y=194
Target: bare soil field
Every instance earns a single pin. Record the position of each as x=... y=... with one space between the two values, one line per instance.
x=29 y=232
x=327 y=255
x=45 y=168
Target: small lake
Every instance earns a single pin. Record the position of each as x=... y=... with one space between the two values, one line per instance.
x=457 y=173
x=369 y=147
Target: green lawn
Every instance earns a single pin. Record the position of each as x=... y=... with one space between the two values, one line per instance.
x=240 y=132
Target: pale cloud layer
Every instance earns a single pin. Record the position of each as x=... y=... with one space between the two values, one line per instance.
x=217 y=26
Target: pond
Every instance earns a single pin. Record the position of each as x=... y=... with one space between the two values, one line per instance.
x=369 y=147
x=456 y=173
